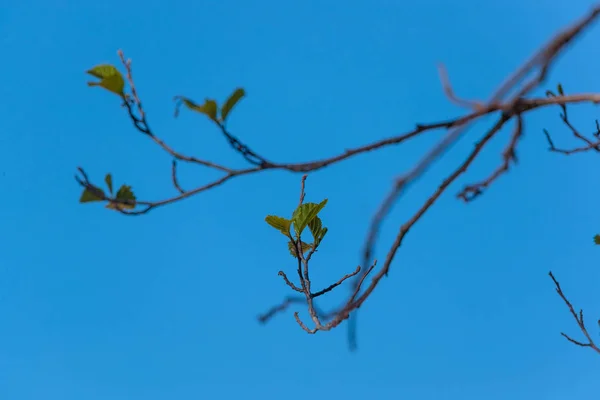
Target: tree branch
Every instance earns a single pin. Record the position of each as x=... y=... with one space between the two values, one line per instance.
x=578 y=318
x=510 y=101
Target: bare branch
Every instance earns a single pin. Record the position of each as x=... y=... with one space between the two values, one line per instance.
x=338 y=283
x=567 y=152
x=174 y=177
x=289 y=283
x=250 y=156
x=302 y=194
x=590 y=144
x=578 y=318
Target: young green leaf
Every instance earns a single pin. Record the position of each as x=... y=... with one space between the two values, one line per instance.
x=235 y=97
x=317 y=230
x=281 y=224
x=292 y=247
x=108 y=180
x=209 y=108
x=304 y=214
x=103 y=71
x=124 y=194
x=92 y=194
x=315 y=226
x=110 y=78
x=322 y=234
x=597 y=239
x=560 y=90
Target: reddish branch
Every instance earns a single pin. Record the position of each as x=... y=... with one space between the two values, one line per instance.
x=510 y=102
x=578 y=318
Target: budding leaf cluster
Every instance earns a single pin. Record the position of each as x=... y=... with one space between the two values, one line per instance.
x=210 y=108
x=305 y=215
x=124 y=200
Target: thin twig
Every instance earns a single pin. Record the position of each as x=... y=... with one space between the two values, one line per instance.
x=174 y=177
x=289 y=283
x=336 y=284
x=578 y=318
x=302 y=194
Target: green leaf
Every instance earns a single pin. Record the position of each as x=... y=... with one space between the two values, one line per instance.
x=92 y=194
x=560 y=90
x=209 y=108
x=317 y=230
x=304 y=214
x=597 y=239
x=110 y=78
x=108 y=180
x=322 y=235
x=124 y=194
x=103 y=71
x=292 y=247
x=315 y=226
x=281 y=224
x=235 y=97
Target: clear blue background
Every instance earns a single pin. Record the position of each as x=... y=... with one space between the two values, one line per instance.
x=95 y=305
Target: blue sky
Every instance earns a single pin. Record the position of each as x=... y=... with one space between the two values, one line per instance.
x=96 y=305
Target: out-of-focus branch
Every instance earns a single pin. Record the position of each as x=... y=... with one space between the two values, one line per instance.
x=513 y=106
x=470 y=192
